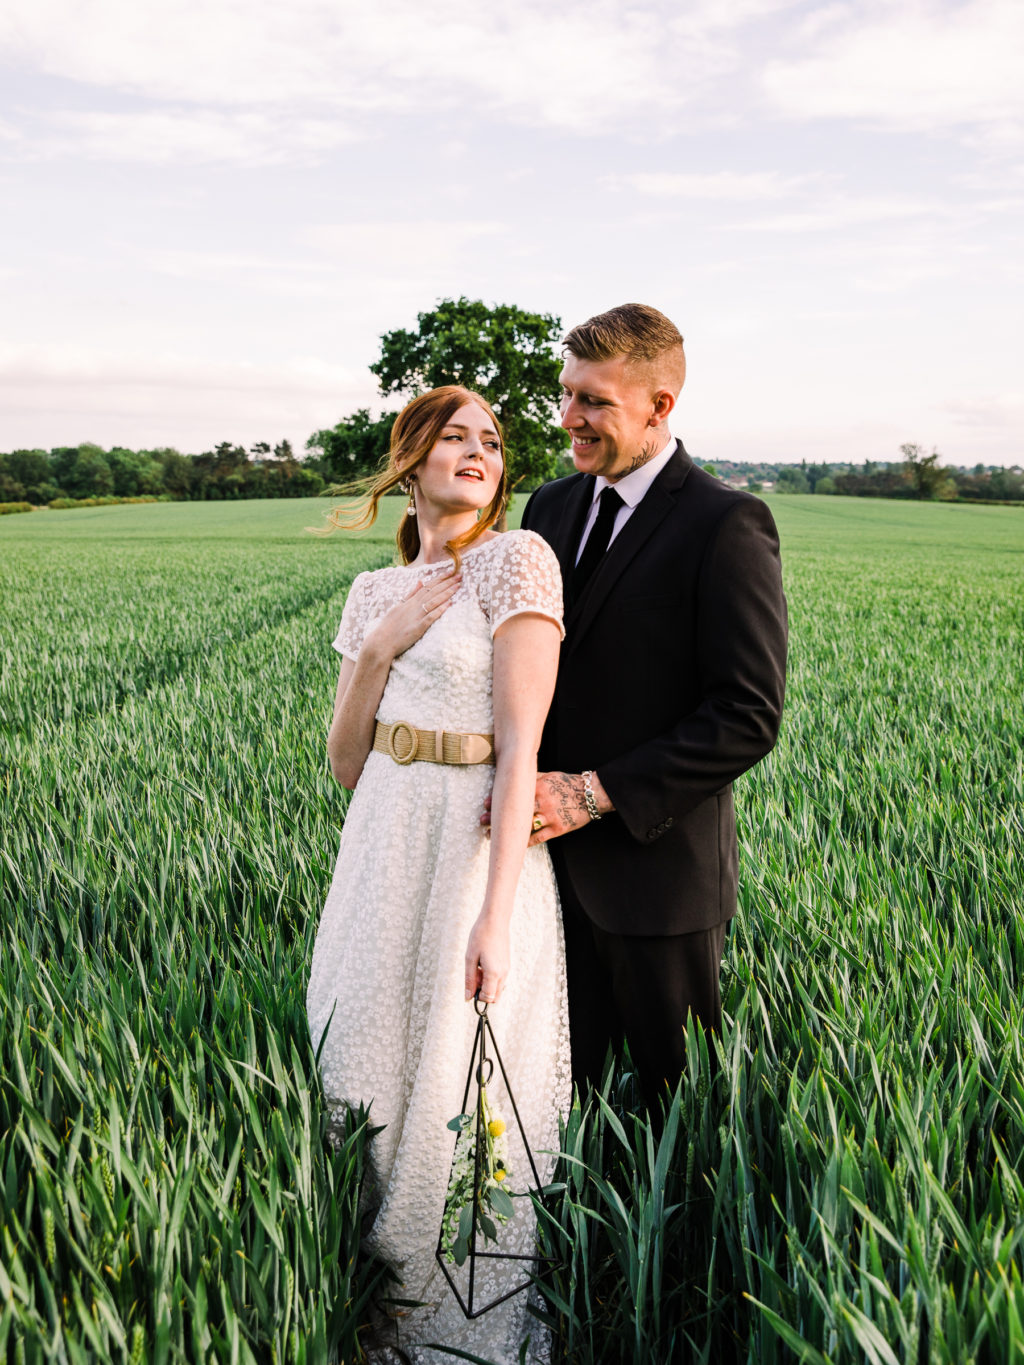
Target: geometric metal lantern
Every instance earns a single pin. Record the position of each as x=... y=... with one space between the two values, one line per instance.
x=479 y=1226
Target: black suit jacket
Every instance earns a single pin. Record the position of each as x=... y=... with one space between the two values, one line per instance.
x=670 y=685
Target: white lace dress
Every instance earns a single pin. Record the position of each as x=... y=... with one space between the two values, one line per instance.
x=388 y=959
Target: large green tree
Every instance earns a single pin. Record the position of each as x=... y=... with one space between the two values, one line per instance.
x=501 y=351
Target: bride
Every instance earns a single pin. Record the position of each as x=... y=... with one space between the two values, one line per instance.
x=448 y=667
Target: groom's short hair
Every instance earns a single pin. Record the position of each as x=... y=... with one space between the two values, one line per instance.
x=634 y=330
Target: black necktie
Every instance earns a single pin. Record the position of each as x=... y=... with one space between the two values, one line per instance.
x=597 y=541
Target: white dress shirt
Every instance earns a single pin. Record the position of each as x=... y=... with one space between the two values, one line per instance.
x=630 y=489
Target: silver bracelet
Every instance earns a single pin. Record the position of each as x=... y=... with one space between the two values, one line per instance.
x=589 y=797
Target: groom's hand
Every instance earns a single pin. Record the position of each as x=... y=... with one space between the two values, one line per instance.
x=560 y=805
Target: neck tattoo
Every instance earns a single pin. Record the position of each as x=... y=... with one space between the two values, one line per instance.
x=646 y=452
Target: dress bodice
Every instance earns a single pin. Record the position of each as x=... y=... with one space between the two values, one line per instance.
x=444 y=679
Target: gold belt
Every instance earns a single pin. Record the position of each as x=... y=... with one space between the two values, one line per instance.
x=404 y=743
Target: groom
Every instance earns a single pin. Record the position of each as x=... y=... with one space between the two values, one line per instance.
x=670 y=686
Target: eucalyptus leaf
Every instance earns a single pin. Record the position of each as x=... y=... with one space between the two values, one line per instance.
x=500 y=1202
x=466 y=1221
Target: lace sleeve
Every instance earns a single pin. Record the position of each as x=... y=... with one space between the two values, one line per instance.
x=525 y=578
x=355 y=617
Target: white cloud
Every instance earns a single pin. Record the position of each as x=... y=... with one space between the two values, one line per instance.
x=720 y=185
x=841 y=213
x=1000 y=139
x=363 y=266
x=579 y=66
x=584 y=66
x=1003 y=411
x=206 y=266
x=54 y=394
x=197 y=137
x=305 y=77
x=423 y=244
x=922 y=65
x=43 y=365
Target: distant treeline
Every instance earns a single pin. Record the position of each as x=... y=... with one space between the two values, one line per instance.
x=350 y=451
x=89 y=471
x=354 y=447
x=917 y=475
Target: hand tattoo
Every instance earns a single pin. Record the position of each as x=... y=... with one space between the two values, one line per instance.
x=569 y=798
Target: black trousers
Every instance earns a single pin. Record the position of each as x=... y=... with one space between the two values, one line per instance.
x=637 y=987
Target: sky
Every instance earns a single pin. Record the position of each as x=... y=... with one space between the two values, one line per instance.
x=211 y=210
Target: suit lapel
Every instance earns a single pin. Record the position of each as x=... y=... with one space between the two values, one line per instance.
x=652 y=509
x=574 y=513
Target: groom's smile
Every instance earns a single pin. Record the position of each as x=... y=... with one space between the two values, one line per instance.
x=610 y=410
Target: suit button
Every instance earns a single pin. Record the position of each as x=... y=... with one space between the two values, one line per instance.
x=652 y=834
x=668 y=822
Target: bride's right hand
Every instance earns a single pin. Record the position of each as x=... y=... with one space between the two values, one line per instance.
x=400 y=628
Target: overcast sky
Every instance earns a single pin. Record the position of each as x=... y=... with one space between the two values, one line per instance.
x=212 y=209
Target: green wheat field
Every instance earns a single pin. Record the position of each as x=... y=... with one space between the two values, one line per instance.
x=848 y=1186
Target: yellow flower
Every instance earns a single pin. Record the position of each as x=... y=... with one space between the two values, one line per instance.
x=496 y=1127
x=499 y=1175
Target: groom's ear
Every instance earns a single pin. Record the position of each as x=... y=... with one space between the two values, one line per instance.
x=668 y=375
x=662 y=403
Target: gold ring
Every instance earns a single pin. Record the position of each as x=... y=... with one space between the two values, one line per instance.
x=538 y=823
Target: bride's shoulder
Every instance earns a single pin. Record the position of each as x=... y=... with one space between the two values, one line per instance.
x=517 y=545
x=374 y=585
x=518 y=557
x=528 y=549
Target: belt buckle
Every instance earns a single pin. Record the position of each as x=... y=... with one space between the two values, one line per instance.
x=394 y=730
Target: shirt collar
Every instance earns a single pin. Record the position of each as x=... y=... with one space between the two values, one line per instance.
x=632 y=488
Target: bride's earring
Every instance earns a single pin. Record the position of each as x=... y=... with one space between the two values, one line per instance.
x=406 y=486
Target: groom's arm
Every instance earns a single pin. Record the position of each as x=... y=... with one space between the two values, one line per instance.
x=741 y=658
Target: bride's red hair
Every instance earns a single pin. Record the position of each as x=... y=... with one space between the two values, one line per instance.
x=415 y=433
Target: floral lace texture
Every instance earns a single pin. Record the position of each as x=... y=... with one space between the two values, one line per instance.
x=388 y=958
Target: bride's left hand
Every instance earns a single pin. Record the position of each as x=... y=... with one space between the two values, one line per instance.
x=487 y=959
